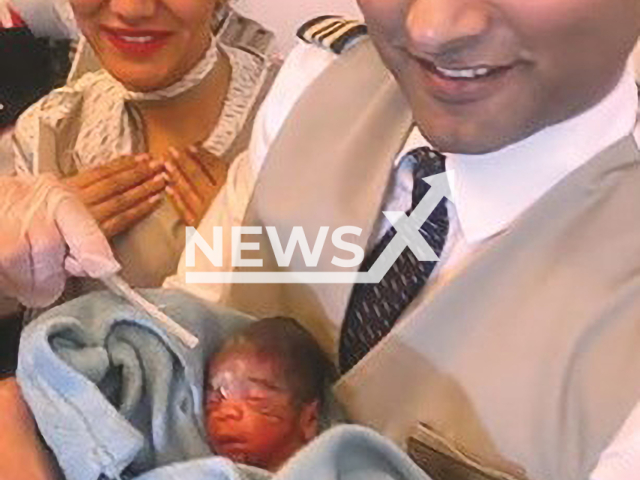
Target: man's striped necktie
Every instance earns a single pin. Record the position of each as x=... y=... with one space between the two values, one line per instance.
x=373 y=309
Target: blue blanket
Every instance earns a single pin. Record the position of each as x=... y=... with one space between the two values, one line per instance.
x=345 y=452
x=116 y=397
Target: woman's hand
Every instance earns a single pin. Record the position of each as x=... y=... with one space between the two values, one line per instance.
x=120 y=193
x=195 y=178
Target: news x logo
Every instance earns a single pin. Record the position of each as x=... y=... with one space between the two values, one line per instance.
x=408 y=236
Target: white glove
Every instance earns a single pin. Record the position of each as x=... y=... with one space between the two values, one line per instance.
x=46 y=233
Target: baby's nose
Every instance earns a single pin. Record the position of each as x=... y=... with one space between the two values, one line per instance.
x=228 y=409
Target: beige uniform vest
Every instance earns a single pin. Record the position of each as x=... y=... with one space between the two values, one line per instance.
x=529 y=359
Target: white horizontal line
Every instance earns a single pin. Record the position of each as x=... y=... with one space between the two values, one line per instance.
x=279 y=277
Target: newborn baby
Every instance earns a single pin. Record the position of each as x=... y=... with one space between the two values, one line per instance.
x=265 y=390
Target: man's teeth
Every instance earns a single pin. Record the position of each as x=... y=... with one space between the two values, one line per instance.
x=137 y=39
x=464 y=73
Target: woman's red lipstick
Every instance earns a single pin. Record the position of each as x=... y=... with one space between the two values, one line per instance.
x=135 y=42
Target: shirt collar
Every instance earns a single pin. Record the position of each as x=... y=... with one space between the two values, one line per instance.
x=491 y=190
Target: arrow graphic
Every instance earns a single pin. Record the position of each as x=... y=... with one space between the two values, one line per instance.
x=408 y=231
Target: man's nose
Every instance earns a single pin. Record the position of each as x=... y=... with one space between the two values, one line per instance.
x=132 y=11
x=437 y=27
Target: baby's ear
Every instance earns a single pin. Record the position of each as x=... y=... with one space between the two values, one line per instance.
x=309 y=420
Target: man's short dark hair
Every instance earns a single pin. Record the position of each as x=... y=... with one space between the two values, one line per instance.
x=306 y=369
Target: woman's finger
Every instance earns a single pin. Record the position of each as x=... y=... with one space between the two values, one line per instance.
x=93 y=175
x=120 y=182
x=185 y=213
x=196 y=176
x=205 y=161
x=125 y=220
x=216 y=169
x=183 y=190
x=129 y=199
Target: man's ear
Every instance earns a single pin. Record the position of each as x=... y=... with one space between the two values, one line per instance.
x=309 y=420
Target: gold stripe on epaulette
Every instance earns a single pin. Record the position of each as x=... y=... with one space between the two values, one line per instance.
x=332 y=32
x=316 y=31
x=309 y=29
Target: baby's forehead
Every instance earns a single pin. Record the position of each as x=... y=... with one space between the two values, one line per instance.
x=245 y=361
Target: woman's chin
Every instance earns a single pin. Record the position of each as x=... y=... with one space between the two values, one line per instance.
x=143 y=83
x=140 y=78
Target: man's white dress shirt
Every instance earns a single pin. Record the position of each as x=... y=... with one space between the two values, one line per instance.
x=489 y=192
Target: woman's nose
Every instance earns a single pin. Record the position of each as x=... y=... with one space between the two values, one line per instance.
x=132 y=11
x=436 y=27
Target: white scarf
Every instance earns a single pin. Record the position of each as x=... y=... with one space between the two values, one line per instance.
x=107 y=128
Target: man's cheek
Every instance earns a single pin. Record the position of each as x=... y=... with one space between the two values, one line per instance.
x=382 y=15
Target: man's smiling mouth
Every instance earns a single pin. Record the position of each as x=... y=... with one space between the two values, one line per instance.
x=471 y=72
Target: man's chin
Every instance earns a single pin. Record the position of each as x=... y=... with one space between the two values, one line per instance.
x=466 y=147
x=469 y=142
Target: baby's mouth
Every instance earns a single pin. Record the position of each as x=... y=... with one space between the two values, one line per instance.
x=227 y=441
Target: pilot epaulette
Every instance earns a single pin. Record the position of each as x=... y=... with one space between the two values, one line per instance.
x=332 y=32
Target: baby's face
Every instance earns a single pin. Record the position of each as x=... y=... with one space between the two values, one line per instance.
x=250 y=413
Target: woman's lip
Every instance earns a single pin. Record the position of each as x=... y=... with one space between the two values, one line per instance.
x=137 y=43
x=129 y=32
